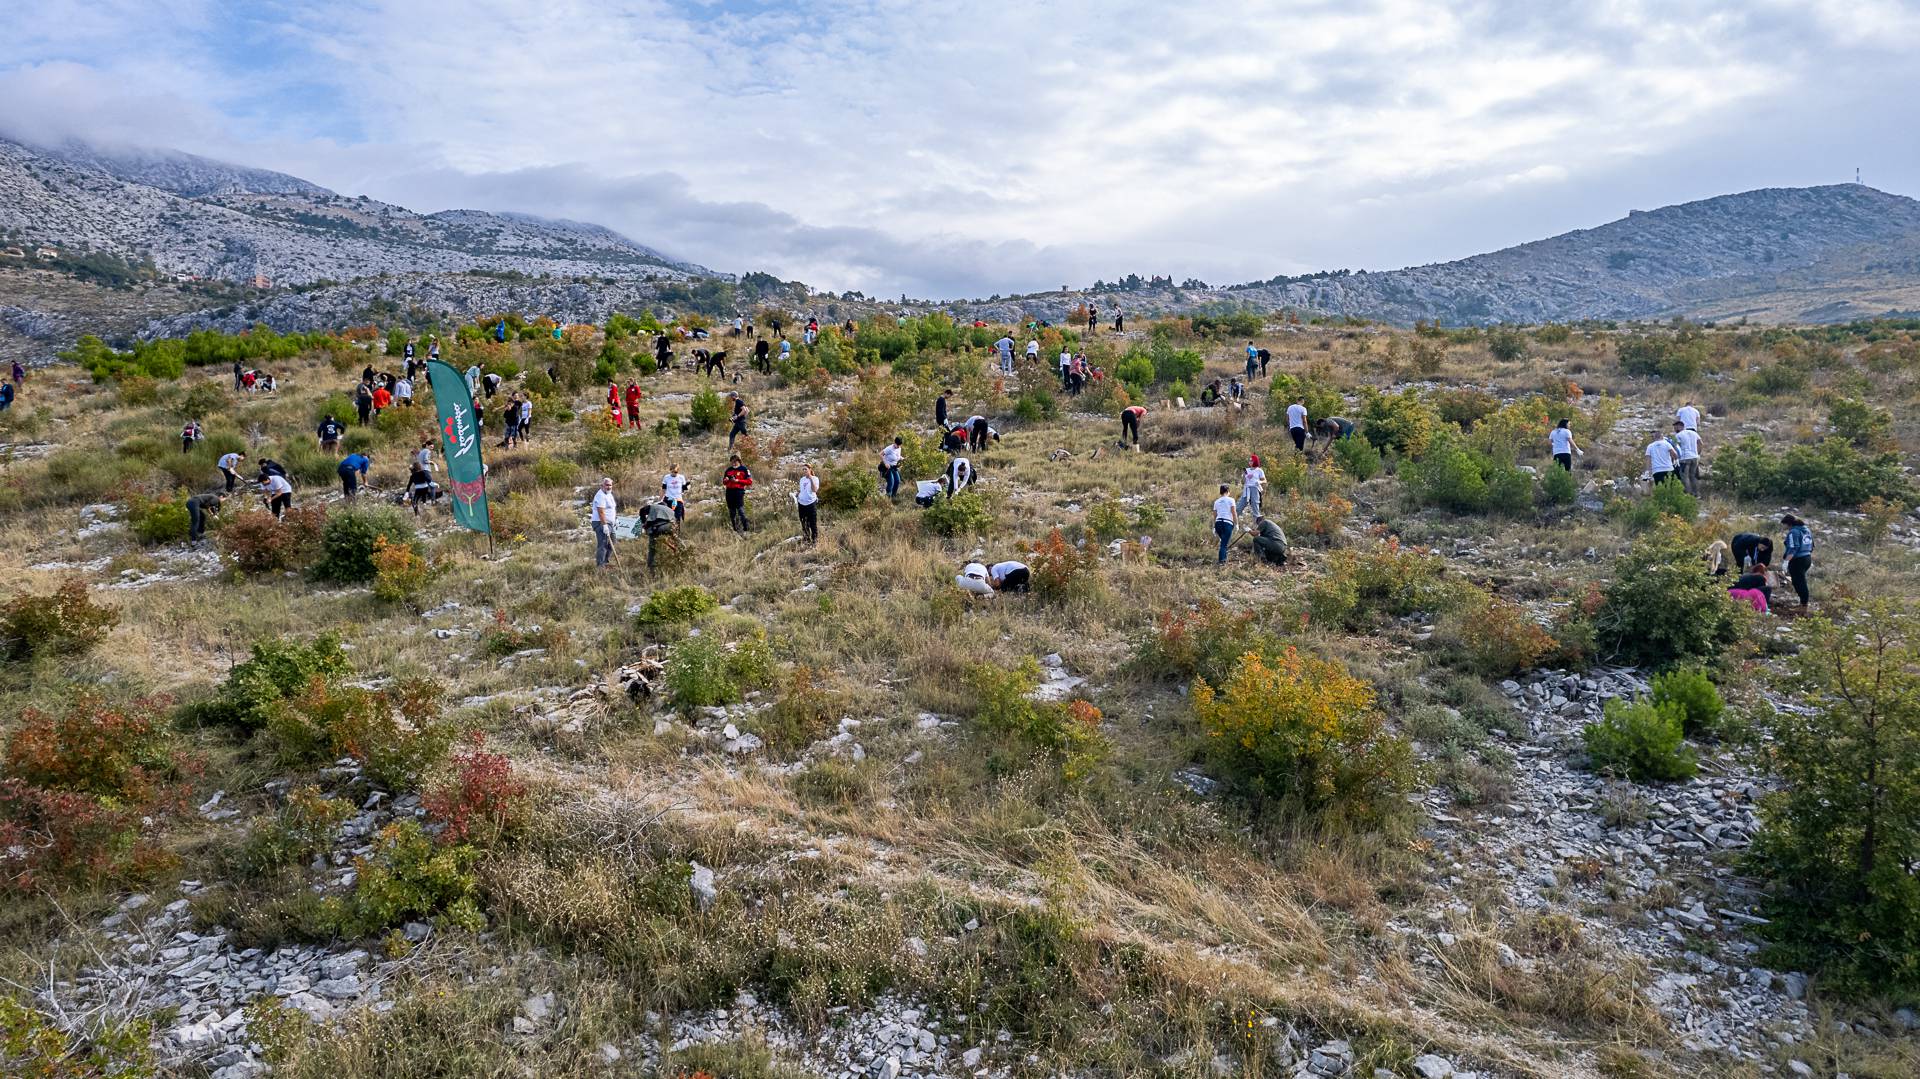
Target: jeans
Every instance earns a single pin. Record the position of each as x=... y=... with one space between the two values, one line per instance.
x=1250 y=500
x=196 y=521
x=893 y=480
x=1223 y=529
x=602 y=543
x=232 y=480
x=1689 y=474
x=1006 y=363
x=1797 y=573
x=349 y=482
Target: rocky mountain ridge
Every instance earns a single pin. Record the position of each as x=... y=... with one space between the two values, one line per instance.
x=198 y=218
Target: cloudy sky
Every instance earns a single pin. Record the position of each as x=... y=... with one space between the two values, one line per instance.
x=949 y=149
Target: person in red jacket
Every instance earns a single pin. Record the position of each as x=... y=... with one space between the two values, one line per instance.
x=736 y=480
x=613 y=395
x=633 y=404
x=382 y=397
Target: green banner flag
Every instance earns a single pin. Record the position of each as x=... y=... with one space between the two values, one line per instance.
x=460 y=443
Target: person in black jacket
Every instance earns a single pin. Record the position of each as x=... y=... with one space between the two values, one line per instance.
x=1749 y=548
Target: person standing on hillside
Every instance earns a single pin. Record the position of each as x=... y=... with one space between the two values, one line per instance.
x=760 y=361
x=807 y=500
x=1560 y=440
x=526 y=418
x=1687 y=441
x=1033 y=351
x=329 y=433
x=605 y=509
x=1660 y=459
x=1004 y=347
x=1119 y=322
x=473 y=379
x=1253 y=360
x=1297 y=423
x=1225 y=514
x=1093 y=320
x=940 y=410
x=403 y=392
x=673 y=492
x=736 y=479
x=1130 y=423
x=1799 y=552
x=382 y=400
x=230 y=468
x=634 y=396
x=1688 y=415
x=1253 y=482
x=739 y=426
x=239 y=376
x=190 y=434
x=890 y=457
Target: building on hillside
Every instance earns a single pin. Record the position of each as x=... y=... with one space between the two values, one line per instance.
x=261 y=280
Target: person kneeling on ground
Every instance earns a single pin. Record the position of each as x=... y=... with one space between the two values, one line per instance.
x=1270 y=542
x=1754 y=586
x=974 y=578
x=1010 y=577
x=926 y=492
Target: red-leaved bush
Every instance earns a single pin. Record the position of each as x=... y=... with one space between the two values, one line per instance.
x=80 y=790
x=482 y=802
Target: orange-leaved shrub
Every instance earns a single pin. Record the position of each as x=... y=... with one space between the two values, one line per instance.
x=482 y=802
x=78 y=789
x=1302 y=736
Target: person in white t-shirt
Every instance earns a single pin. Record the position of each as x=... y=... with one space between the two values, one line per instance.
x=974 y=578
x=230 y=468
x=1688 y=415
x=1687 y=441
x=1252 y=482
x=808 y=501
x=1033 y=350
x=1297 y=422
x=673 y=491
x=890 y=458
x=604 y=511
x=278 y=493
x=1225 y=514
x=1010 y=577
x=925 y=492
x=1066 y=366
x=959 y=475
x=1660 y=459
x=1564 y=447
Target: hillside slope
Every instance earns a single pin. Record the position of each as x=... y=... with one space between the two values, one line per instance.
x=203 y=218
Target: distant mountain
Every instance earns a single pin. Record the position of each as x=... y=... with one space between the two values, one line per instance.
x=1807 y=254
x=194 y=216
x=183 y=174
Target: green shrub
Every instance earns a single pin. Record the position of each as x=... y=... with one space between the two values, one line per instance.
x=1203 y=641
x=1832 y=473
x=1359 y=588
x=396 y=733
x=1400 y=422
x=1175 y=365
x=1302 y=736
x=1865 y=426
x=1506 y=344
x=1464 y=407
x=1693 y=695
x=159 y=520
x=1357 y=458
x=1841 y=842
x=301 y=830
x=1321 y=399
x=1069 y=730
x=675 y=607
x=1674 y=357
x=708 y=410
x=702 y=671
x=550 y=472
x=1775 y=380
x=1107 y=521
x=1553 y=333
x=1558 y=487
x=875 y=411
x=1457 y=477
x=1036 y=403
x=804 y=712
x=1642 y=741
x=277 y=670
x=64 y=623
x=846 y=487
x=1660 y=610
x=347 y=543
x=965 y=513
x=1135 y=370
x=604 y=444
x=408 y=877
x=201 y=400
x=1666 y=500
x=920 y=457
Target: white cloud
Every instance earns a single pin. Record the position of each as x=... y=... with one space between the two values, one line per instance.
x=960 y=148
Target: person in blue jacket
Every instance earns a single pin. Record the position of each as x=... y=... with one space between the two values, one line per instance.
x=353 y=471
x=500 y=332
x=1799 y=552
